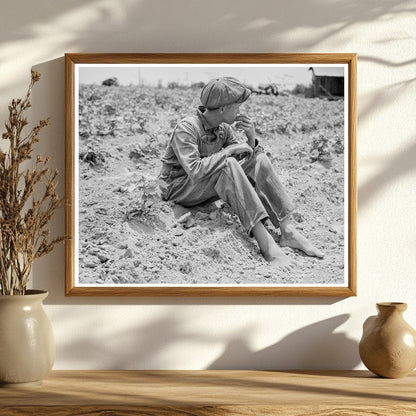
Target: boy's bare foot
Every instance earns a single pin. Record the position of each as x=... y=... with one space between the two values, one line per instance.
x=291 y=237
x=278 y=259
x=271 y=252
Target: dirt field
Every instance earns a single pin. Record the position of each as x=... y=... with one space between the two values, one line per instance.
x=127 y=235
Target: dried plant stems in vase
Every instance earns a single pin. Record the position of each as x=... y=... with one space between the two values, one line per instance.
x=28 y=199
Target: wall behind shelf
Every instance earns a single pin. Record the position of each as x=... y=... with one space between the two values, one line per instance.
x=192 y=333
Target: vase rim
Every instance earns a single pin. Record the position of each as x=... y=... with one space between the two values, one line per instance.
x=32 y=293
x=392 y=305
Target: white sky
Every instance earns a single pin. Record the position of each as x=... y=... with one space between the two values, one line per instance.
x=283 y=75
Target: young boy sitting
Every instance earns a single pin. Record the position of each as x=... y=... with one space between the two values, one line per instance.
x=204 y=161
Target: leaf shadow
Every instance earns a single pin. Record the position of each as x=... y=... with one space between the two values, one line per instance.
x=315 y=346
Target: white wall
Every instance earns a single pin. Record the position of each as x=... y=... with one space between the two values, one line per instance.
x=195 y=333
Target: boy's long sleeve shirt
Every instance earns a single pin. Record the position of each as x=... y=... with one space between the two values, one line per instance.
x=196 y=149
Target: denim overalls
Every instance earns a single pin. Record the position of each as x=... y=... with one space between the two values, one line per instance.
x=195 y=169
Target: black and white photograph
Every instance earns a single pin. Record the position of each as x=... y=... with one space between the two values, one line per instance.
x=214 y=175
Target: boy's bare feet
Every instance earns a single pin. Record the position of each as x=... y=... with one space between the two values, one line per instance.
x=291 y=237
x=271 y=252
x=278 y=259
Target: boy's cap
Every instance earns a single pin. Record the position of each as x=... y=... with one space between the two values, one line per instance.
x=223 y=91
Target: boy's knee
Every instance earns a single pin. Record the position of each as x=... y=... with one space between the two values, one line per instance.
x=263 y=161
x=232 y=163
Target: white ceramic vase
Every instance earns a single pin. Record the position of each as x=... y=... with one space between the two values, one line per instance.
x=27 y=346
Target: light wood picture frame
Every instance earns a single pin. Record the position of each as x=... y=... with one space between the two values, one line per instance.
x=126 y=241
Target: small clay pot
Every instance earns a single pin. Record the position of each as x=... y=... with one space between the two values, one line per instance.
x=388 y=344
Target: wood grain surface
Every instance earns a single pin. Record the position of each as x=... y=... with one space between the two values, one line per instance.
x=203 y=393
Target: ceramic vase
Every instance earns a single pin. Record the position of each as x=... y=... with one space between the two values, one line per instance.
x=388 y=345
x=27 y=347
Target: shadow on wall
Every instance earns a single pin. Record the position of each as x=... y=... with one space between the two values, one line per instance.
x=140 y=26
x=48 y=100
x=396 y=167
x=313 y=347
x=148 y=19
x=124 y=348
x=382 y=97
x=152 y=345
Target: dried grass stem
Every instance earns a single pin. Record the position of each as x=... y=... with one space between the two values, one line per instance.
x=24 y=216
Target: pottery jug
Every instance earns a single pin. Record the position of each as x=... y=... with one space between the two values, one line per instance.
x=27 y=347
x=388 y=345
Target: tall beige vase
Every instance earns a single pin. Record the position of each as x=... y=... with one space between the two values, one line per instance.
x=27 y=347
x=388 y=345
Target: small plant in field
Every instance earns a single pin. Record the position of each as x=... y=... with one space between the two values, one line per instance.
x=28 y=199
x=338 y=145
x=319 y=150
x=298 y=151
x=147 y=195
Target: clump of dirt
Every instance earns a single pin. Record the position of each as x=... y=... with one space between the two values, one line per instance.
x=128 y=235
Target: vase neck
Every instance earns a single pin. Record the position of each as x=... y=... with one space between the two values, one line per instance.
x=390 y=308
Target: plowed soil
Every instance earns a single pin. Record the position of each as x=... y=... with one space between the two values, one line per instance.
x=128 y=235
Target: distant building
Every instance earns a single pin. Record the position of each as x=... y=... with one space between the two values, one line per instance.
x=327 y=81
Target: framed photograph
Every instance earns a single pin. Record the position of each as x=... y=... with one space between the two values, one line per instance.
x=211 y=174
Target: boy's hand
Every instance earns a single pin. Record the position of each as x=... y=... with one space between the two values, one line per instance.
x=238 y=149
x=244 y=123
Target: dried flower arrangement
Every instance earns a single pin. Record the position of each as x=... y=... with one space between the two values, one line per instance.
x=28 y=199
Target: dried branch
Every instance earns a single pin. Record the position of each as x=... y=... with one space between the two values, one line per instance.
x=23 y=218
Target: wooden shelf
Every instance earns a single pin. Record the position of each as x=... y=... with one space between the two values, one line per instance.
x=208 y=393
